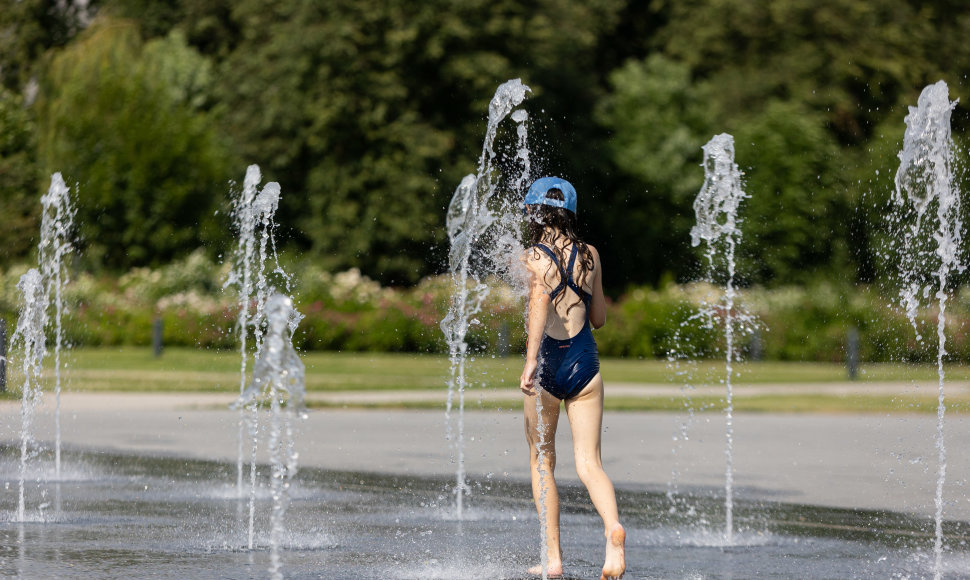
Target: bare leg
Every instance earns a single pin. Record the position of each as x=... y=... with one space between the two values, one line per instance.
x=544 y=490
x=585 y=412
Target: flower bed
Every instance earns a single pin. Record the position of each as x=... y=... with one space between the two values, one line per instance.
x=348 y=311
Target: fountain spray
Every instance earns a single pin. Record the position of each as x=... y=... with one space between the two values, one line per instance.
x=279 y=377
x=30 y=334
x=57 y=222
x=716 y=207
x=484 y=237
x=253 y=211
x=924 y=181
x=38 y=288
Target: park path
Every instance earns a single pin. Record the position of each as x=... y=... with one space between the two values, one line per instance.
x=170 y=400
x=845 y=460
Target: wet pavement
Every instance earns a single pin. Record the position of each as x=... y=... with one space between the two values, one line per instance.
x=121 y=516
x=878 y=462
x=149 y=485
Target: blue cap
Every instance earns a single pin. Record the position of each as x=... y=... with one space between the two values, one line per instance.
x=537 y=193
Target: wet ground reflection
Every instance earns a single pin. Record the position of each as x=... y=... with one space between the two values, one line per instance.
x=115 y=516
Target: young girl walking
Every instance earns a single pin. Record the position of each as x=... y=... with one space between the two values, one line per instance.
x=562 y=366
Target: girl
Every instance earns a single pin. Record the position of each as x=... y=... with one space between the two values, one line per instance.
x=565 y=300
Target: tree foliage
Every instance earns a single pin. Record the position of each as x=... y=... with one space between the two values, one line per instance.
x=19 y=215
x=124 y=120
x=794 y=220
x=369 y=112
x=659 y=120
x=366 y=111
x=28 y=28
x=806 y=95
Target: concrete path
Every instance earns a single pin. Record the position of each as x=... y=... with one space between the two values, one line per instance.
x=856 y=461
x=903 y=389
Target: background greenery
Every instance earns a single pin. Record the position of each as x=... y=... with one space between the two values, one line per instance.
x=369 y=112
x=350 y=312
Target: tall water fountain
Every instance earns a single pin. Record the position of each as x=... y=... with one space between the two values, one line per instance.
x=56 y=227
x=716 y=208
x=279 y=382
x=40 y=289
x=252 y=213
x=482 y=227
x=30 y=335
x=930 y=233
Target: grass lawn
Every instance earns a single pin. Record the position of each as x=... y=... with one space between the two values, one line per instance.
x=827 y=404
x=190 y=370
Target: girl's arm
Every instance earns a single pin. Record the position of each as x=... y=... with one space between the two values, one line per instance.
x=597 y=307
x=536 y=326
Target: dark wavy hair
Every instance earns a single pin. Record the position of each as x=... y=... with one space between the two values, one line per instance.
x=548 y=225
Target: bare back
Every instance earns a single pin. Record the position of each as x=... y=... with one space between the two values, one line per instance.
x=565 y=317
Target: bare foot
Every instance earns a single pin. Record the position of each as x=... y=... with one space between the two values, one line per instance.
x=615 y=564
x=553 y=570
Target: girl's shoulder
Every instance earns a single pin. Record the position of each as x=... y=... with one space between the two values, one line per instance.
x=594 y=253
x=534 y=255
x=537 y=252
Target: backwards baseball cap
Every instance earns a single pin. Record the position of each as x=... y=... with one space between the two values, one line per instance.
x=537 y=193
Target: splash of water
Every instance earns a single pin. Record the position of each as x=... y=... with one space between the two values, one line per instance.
x=279 y=378
x=483 y=238
x=520 y=116
x=716 y=208
x=252 y=213
x=543 y=487
x=924 y=180
x=57 y=223
x=30 y=336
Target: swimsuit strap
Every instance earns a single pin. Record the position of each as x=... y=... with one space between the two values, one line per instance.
x=583 y=295
x=566 y=276
x=562 y=279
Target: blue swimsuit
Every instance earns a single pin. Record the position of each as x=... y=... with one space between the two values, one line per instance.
x=566 y=366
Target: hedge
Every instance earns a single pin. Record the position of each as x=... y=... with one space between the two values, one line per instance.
x=346 y=311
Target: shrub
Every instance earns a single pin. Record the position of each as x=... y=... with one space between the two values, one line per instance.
x=348 y=311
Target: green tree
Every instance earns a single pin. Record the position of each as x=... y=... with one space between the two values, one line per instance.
x=795 y=226
x=368 y=112
x=127 y=122
x=19 y=180
x=807 y=51
x=659 y=119
x=806 y=95
x=28 y=28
